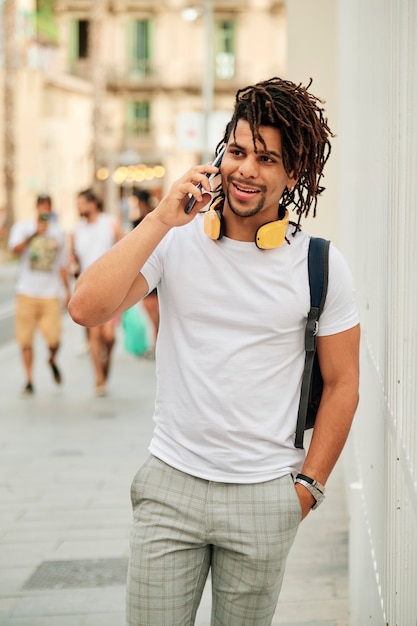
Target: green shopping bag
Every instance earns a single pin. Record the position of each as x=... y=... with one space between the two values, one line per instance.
x=136 y=330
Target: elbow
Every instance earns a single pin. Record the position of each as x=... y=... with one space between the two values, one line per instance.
x=77 y=312
x=82 y=311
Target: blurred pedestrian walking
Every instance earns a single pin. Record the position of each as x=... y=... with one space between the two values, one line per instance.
x=40 y=243
x=96 y=233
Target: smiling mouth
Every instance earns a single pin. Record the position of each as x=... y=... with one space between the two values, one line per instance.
x=245 y=189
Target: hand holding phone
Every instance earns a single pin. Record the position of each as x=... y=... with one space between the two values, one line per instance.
x=216 y=163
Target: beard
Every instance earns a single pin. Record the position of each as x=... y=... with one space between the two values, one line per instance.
x=245 y=211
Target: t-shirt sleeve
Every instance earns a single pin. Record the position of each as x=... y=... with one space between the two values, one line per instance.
x=153 y=268
x=340 y=311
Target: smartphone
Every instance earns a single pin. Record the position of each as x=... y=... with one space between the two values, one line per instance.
x=216 y=163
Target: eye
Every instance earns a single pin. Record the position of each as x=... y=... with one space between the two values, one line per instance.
x=267 y=159
x=235 y=152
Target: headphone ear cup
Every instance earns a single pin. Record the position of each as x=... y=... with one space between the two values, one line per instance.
x=213 y=224
x=272 y=234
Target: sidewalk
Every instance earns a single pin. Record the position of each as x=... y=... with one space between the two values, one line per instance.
x=66 y=463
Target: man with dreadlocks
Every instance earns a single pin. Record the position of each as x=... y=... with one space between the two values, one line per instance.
x=221 y=490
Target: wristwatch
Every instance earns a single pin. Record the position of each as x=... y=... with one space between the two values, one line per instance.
x=316 y=489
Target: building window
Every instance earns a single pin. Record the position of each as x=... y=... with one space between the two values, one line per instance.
x=83 y=51
x=225 y=50
x=138 y=118
x=79 y=39
x=79 y=49
x=140 y=47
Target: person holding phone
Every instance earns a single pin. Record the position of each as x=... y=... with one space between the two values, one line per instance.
x=224 y=488
x=42 y=277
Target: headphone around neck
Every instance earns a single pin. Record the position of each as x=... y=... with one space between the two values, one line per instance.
x=268 y=236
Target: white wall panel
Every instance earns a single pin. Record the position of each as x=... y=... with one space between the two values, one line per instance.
x=378 y=184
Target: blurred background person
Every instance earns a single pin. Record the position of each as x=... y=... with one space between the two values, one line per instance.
x=96 y=233
x=140 y=204
x=40 y=244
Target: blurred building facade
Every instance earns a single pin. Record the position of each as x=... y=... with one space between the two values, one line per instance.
x=117 y=92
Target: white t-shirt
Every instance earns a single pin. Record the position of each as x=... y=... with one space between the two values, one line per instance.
x=230 y=351
x=41 y=261
x=93 y=239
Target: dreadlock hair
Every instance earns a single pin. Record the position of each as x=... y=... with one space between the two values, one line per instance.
x=298 y=116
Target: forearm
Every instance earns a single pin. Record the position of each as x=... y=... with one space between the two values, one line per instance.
x=105 y=285
x=333 y=422
x=20 y=247
x=64 y=278
x=339 y=363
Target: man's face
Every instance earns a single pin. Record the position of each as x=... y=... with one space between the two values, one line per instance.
x=44 y=210
x=85 y=208
x=253 y=177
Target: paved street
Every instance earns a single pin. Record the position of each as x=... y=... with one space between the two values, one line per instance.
x=8 y=273
x=66 y=463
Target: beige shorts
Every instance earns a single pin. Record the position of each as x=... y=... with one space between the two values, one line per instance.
x=43 y=314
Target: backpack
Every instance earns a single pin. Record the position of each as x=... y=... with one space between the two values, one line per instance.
x=312 y=381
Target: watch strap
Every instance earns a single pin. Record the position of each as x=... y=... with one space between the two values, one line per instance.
x=313 y=482
x=316 y=489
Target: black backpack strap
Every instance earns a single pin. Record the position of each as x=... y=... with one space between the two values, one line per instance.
x=318 y=273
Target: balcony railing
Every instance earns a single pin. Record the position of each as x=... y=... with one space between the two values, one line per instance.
x=138 y=75
x=147 y=77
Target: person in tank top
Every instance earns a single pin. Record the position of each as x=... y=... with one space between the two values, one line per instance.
x=95 y=234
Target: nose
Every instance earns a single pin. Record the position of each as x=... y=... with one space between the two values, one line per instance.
x=248 y=167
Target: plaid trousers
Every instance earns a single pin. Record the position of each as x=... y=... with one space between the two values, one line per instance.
x=183 y=527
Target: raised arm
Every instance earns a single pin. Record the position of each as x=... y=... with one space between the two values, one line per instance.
x=113 y=283
x=19 y=248
x=339 y=365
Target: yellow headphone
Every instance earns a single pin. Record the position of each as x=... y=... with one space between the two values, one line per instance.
x=268 y=236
